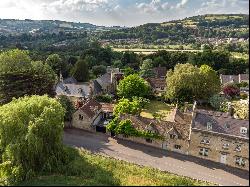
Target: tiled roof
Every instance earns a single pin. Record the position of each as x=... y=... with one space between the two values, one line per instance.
x=244 y=77
x=221 y=123
x=76 y=90
x=157 y=82
x=160 y=72
x=91 y=107
x=107 y=107
x=161 y=127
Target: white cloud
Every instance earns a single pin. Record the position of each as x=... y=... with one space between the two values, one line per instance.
x=153 y=6
x=182 y=4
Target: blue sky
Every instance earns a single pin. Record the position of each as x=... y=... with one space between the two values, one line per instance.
x=117 y=12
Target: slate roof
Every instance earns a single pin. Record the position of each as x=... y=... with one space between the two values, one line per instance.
x=160 y=127
x=91 y=107
x=76 y=90
x=160 y=72
x=97 y=88
x=221 y=123
x=70 y=80
x=234 y=78
x=104 y=80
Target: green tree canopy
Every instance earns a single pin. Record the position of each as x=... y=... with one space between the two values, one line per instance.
x=133 y=85
x=68 y=107
x=99 y=70
x=187 y=83
x=31 y=130
x=80 y=71
x=147 y=68
x=19 y=78
x=55 y=62
x=14 y=60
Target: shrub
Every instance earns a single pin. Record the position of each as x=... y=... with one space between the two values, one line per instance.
x=218 y=102
x=231 y=90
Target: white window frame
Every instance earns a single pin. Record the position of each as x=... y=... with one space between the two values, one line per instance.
x=205 y=141
x=240 y=161
x=225 y=145
x=203 y=151
x=238 y=148
x=209 y=126
x=243 y=131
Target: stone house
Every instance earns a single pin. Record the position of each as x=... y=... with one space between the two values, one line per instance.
x=158 y=85
x=87 y=116
x=219 y=137
x=175 y=133
x=107 y=83
x=91 y=115
x=73 y=89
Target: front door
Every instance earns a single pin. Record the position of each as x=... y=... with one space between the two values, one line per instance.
x=223 y=158
x=164 y=145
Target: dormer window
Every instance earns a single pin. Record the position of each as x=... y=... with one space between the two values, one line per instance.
x=205 y=140
x=172 y=136
x=209 y=126
x=227 y=126
x=80 y=90
x=238 y=148
x=243 y=131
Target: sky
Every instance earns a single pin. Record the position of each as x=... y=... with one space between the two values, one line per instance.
x=117 y=12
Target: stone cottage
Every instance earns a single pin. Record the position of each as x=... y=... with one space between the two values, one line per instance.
x=219 y=137
x=175 y=133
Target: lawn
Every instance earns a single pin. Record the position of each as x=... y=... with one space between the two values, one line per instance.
x=161 y=109
x=92 y=169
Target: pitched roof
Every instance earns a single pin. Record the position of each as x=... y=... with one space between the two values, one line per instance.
x=229 y=78
x=221 y=123
x=96 y=87
x=70 y=80
x=161 y=127
x=244 y=77
x=104 y=80
x=91 y=107
x=157 y=82
x=107 y=107
x=160 y=72
x=76 y=90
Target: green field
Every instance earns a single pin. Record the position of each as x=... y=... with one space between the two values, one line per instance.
x=162 y=110
x=92 y=169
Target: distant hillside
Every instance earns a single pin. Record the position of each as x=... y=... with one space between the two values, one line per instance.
x=187 y=30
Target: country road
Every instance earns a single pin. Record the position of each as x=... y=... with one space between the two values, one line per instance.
x=156 y=158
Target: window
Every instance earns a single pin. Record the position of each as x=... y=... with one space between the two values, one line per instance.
x=148 y=140
x=238 y=148
x=203 y=152
x=80 y=117
x=125 y=136
x=172 y=136
x=225 y=146
x=162 y=88
x=243 y=130
x=227 y=126
x=177 y=146
x=205 y=140
x=209 y=126
x=240 y=161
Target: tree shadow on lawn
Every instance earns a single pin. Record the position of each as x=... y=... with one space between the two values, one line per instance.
x=80 y=171
x=160 y=153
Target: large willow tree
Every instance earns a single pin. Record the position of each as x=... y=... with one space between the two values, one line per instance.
x=31 y=138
